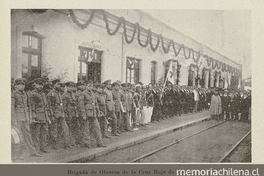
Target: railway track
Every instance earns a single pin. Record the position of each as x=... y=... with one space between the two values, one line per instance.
x=233 y=148
x=200 y=143
x=173 y=143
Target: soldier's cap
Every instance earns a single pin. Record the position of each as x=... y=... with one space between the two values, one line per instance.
x=38 y=81
x=48 y=85
x=141 y=83
x=115 y=83
x=125 y=84
x=107 y=81
x=20 y=81
x=29 y=86
x=98 y=85
x=89 y=82
x=138 y=85
x=56 y=81
x=70 y=84
x=45 y=79
x=81 y=83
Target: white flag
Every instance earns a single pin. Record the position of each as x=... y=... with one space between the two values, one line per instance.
x=170 y=74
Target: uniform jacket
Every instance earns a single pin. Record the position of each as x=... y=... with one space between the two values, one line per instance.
x=91 y=106
x=39 y=106
x=69 y=103
x=54 y=99
x=110 y=105
x=101 y=103
x=117 y=100
x=80 y=103
x=20 y=106
x=150 y=98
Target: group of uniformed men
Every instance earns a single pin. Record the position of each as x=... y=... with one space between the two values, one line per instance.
x=80 y=111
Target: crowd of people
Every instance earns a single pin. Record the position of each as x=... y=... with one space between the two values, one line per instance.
x=231 y=104
x=49 y=112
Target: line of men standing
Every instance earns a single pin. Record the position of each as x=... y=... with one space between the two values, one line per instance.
x=77 y=112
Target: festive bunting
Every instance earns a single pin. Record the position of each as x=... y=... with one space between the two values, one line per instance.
x=149 y=41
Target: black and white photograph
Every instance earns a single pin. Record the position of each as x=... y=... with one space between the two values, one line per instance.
x=130 y=85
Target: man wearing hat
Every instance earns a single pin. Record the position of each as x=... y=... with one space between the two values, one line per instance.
x=54 y=98
x=90 y=118
x=118 y=105
x=20 y=114
x=110 y=106
x=39 y=106
x=126 y=100
x=102 y=111
x=69 y=103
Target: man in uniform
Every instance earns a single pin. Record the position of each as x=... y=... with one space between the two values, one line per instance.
x=110 y=106
x=91 y=123
x=54 y=98
x=117 y=101
x=127 y=103
x=40 y=116
x=69 y=103
x=100 y=96
x=20 y=114
x=150 y=102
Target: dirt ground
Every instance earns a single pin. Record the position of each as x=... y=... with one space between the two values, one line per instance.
x=208 y=146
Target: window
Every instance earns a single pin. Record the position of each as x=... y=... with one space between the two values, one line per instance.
x=90 y=65
x=132 y=70
x=153 y=71
x=31 y=55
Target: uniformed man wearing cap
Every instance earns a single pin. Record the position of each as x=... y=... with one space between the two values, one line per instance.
x=126 y=100
x=69 y=103
x=54 y=98
x=110 y=106
x=118 y=109
x=150 y=103
x=79 y=95
x=91 y=124
x=20 y=114
x=102 y=114
x=40 y=116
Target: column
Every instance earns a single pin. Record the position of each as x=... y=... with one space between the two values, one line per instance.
x=217 y=79
x=212 y=78
x=206 y=77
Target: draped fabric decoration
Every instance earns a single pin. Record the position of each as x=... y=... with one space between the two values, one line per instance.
x=188 y=52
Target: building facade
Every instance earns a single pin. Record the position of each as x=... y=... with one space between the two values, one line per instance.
x=125 y=45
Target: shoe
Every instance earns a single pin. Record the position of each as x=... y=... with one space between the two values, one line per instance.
x=68 y=146
x=87 y=145
x=101 y=145
x=44 y=151
x=36 y=155
x=129 y=130
x=106 y=136
x=118 y=132
x=115 y=134
x=55 y=147
x=135 y=129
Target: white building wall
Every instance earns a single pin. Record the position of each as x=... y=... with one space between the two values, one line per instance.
x=62 y=38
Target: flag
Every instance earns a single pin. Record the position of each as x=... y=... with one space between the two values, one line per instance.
x=169 y=77
x=170 y=74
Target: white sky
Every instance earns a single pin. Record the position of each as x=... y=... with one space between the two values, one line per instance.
x=227 y=32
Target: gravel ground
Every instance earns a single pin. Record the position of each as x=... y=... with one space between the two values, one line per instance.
x=125 y=155
x=242 y=153
x=208 y=146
